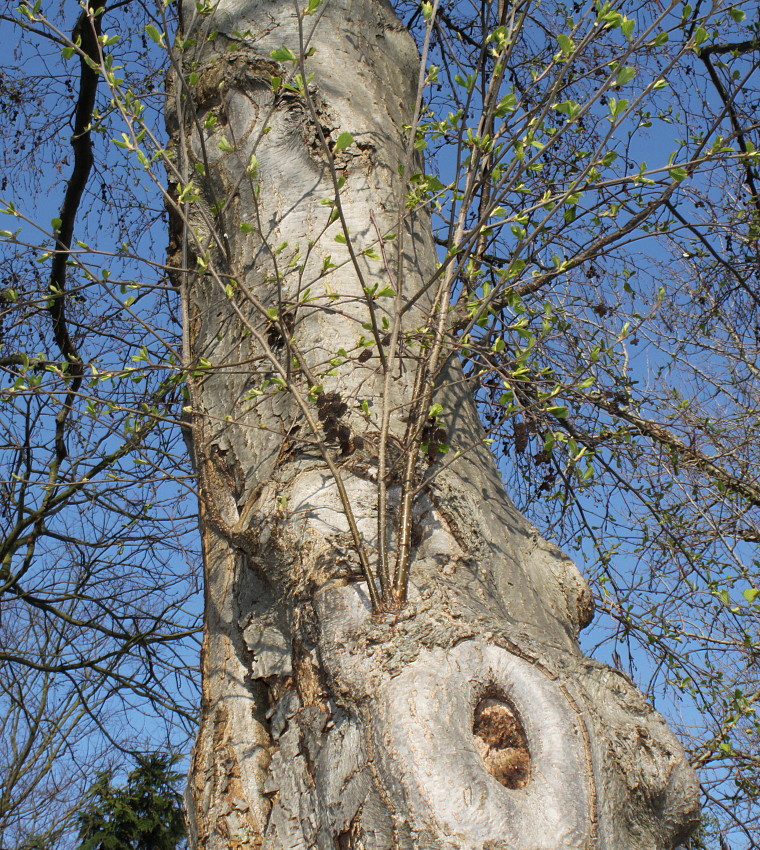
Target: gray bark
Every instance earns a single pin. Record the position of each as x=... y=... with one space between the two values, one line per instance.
x=469 y=718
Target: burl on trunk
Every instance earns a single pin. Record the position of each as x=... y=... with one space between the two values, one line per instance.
x=336 y=714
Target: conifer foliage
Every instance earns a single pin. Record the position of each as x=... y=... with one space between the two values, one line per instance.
x=143 y=814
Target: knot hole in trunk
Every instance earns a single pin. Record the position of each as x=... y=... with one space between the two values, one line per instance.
x=501 y=741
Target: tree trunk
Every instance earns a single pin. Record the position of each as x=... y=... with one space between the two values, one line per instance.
x=468 y=717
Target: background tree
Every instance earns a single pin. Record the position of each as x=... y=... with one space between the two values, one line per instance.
x=144 y=814
x=536 y=125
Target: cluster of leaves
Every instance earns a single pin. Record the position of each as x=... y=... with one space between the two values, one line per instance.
x=603 y=220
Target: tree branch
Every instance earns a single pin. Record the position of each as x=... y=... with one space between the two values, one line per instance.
x=728 y=103
x=658 y=433
x=734 y=47
x=86 y=33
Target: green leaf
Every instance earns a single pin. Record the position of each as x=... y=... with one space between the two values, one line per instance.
x=625 y=75
x=737 y=14
x=154 y=33
x=507 y=104
x=68 y=52
x=700 y=36
x=566 y=44
x=283 y=54
x=678 y=174
x=568 y=107
x=467 y=82
x=313 y=6
x=224 y=145
x=343 y=141
x=750 y=594
x=340 y=237
x=628 y=27
x=616 y=107
x=432 y=183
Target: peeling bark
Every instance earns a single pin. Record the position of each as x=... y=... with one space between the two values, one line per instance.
x=469 y=718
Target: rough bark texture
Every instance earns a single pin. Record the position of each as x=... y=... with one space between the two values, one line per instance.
x=470 y=719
